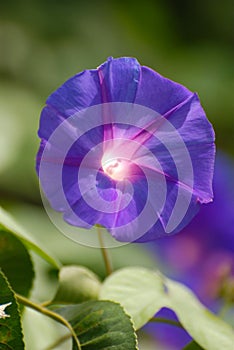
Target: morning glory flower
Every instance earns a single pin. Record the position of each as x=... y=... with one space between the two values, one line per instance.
x=125 y=148
x=202 y=255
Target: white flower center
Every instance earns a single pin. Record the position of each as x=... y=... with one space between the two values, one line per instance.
x=117 y=169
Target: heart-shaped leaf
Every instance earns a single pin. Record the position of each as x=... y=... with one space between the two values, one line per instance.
x=209 y=331
x=143 y=292
x=101 y=325
x=139 y=290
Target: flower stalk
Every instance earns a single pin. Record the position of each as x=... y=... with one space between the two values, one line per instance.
x=105 y=255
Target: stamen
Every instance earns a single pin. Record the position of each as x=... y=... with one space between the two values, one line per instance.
x=117 y=169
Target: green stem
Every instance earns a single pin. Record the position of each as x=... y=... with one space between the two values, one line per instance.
x=49 y=313
x=105 y=255
x=46 y=303
x=164 y=320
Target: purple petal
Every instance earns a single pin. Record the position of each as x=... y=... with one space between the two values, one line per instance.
x=119 y=79
x=81 y=91
x=198 y=136
x=159 y=93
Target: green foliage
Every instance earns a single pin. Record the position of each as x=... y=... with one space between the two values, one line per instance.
x=11 y=337
x=101 y=325
x=76 y=284
x=104 y=324
x=16 y=263
x=125 y=287
x=139 y=290
x=193 y=346
x=208 y=330
x=8 y=223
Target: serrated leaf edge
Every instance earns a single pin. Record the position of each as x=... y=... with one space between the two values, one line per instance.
x=17 y=304
x=131 y=321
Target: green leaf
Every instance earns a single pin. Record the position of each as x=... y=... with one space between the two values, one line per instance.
x=76 y=284
x=11 y=333
x=209 y=331
x=101 y=325
x=193 y=346
x=8 y=223
x=143 y=292
x=16 y=263
x=140 y=291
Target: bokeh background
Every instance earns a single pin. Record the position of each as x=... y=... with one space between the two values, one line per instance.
x=44 y=42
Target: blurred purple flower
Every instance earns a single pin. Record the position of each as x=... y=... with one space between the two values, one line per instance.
x=118 y=185
x=202 y=255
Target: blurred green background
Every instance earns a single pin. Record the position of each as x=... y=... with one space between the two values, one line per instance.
x=44 y=42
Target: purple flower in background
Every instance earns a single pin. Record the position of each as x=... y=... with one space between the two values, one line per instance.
x=125 y=148
x=202 y=255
